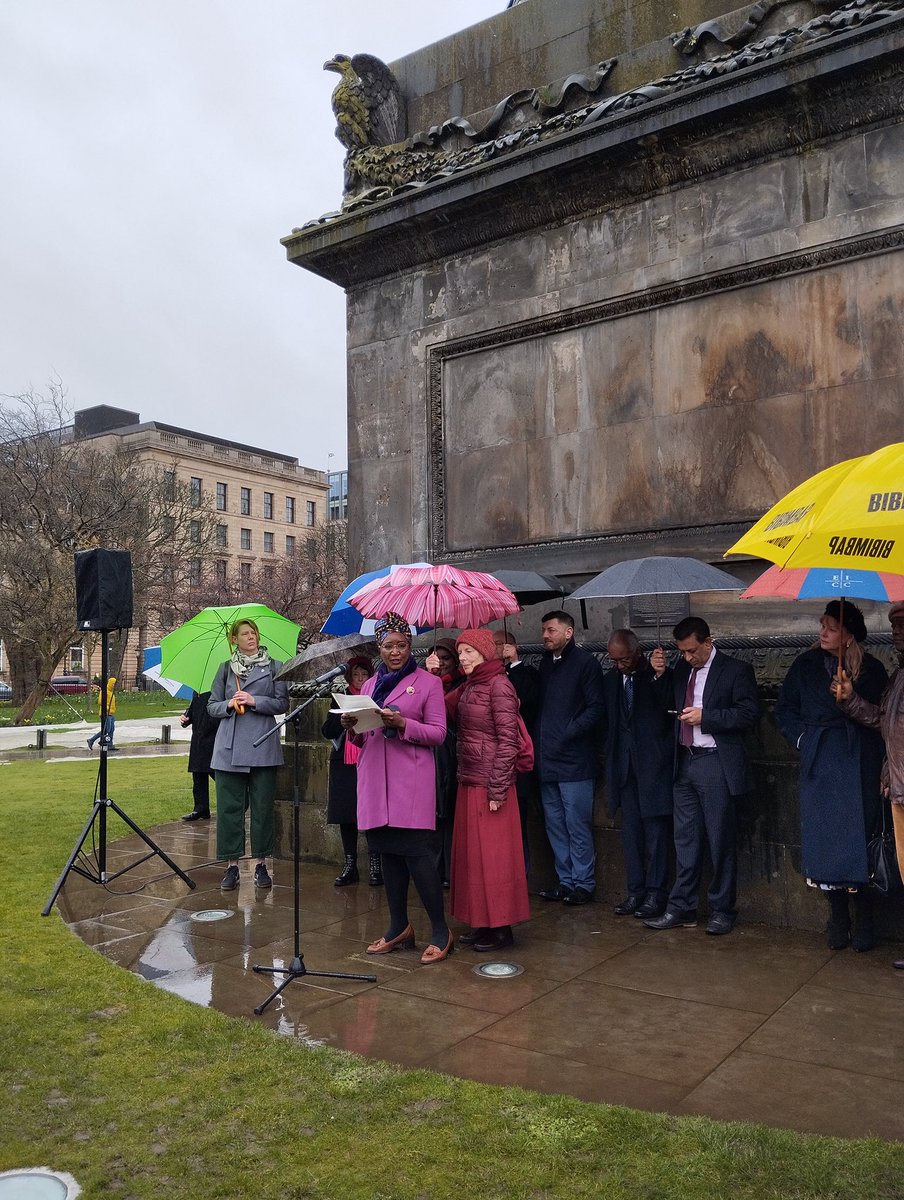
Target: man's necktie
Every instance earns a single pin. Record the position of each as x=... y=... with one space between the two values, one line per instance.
x=686 y=733
x=629 y=694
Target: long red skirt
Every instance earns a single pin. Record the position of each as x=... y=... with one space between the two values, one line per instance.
x=488 y=885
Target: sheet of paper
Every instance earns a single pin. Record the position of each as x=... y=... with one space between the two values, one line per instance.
x=367 y=712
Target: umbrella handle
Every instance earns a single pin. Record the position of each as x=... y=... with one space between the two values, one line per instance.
x=840 y=642
x=238 y=708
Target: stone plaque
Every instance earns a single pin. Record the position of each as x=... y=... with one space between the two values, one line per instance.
x=651 y=612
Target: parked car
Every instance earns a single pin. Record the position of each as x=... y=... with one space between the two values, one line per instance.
x=6 y=692
x=69 y=685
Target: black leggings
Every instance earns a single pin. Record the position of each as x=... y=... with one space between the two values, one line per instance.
x=398 y=871
x=348 y=831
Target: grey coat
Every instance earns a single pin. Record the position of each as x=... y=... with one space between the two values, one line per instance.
x=232 y=749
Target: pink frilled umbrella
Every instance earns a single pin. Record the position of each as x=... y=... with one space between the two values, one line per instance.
x=438 y=597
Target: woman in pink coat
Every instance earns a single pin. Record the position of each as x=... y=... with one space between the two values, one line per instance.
x=397 y=787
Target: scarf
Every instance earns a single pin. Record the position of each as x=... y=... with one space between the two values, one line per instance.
x=387 y=680
x=485 y=670
x=241 y=664
x=351 y=751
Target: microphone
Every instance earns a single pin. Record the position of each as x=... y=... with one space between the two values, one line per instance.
x=342 y=669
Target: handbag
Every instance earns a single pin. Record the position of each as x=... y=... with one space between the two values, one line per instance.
x=524 y=761
x=882 y=862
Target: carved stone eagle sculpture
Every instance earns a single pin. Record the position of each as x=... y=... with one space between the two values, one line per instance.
x=367 y=102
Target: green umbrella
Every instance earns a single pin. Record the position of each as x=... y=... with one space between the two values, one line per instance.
x=193 y=652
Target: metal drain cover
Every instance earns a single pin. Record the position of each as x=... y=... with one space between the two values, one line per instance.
x=498 y=970
x=206 y=915
x=37 y=1183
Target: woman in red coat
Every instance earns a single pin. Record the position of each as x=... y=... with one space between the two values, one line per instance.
x=489 y=887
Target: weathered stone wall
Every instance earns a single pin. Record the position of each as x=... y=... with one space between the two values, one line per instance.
x=539 y=42
x=666 y=366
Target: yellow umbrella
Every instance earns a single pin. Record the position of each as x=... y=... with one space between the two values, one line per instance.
x=850 y=515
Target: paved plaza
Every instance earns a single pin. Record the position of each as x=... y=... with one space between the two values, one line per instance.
x=142 y=731
x=765 y=1025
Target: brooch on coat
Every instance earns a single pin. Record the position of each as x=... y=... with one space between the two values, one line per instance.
x=410 y=691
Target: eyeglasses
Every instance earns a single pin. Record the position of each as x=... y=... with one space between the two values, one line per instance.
x=621 y=662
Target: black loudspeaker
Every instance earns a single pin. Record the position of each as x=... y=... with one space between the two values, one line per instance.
x=103 y=589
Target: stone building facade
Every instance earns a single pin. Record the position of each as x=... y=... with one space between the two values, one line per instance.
x=634 y=272
x=264 y=502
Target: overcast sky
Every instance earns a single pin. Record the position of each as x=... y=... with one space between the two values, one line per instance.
x=152 y=156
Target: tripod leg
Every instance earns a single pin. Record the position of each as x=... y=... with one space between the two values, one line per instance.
x=285 y=983
x=151 y=843
x=98 y=805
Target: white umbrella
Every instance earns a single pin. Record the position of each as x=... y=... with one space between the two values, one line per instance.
x=153 y=671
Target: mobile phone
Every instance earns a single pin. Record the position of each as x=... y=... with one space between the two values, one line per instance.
x=391 y=733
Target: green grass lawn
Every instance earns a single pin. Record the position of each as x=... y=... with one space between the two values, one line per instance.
x=140 y=1094
x=67 y=710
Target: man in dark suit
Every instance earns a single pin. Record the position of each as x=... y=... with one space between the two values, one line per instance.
x=566 y=741
x=715 y=700
x=639 y=753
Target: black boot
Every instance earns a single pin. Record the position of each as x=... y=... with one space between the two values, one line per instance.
x=839 y=926
x=864 y=934
x=375 y=871
x=349 y=873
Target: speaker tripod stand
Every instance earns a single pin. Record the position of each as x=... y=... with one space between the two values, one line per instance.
x=98 y=818
x=296 y=968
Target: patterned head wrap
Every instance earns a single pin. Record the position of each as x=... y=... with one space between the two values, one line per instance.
x=391 y=623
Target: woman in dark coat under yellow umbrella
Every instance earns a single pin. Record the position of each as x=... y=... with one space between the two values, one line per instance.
x=840 y=763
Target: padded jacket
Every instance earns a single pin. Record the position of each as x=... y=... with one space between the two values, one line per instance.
x=485 y=710
x=572 y=706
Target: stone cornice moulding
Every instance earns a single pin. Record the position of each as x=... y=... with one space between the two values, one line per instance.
x=759 y=112
x=664 y=296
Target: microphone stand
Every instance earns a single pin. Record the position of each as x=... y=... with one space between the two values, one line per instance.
x=296 y=968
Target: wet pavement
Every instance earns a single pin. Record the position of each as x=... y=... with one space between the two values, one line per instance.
x=141 y=735
x=764 y=1025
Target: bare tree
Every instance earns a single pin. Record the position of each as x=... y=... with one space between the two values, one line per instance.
x=60 y=494
x=302 y=586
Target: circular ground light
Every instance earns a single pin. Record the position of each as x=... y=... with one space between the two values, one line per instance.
x=206 y=915
x=498 y=970
x=38 y=1183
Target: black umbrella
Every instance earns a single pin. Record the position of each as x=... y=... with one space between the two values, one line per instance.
x=323 y=656
x=657 y=575
x=531 y=588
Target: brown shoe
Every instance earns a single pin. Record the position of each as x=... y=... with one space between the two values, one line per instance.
x=433 y=954
x=405 y=941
